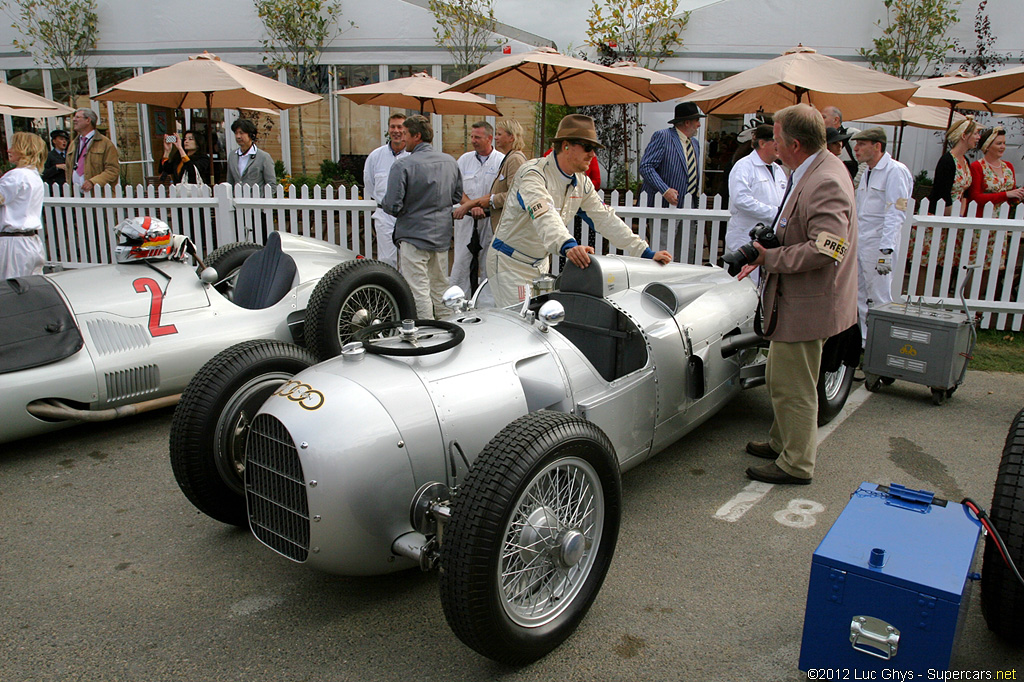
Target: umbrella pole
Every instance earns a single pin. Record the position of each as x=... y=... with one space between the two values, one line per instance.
x=209 y=133
x=543 y=107
x=952 y=108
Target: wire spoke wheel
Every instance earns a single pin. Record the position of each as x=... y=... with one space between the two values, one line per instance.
x=368 y=305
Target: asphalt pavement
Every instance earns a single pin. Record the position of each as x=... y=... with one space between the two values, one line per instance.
x=108 y=573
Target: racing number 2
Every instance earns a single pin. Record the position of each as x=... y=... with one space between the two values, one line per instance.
x=156 y=304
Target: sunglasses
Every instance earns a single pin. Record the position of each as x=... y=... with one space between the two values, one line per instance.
x=587 y=147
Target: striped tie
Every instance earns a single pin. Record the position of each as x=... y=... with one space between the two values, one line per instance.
x=691 y=168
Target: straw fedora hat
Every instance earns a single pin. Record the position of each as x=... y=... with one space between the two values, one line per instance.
x=577 y=127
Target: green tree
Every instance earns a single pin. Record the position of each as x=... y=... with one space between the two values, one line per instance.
x=57 y=33
x=466 y=29
x=298 y=31
x=642 y=31
x=914 y=36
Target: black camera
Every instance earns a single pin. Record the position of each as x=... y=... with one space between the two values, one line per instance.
x=760 y=233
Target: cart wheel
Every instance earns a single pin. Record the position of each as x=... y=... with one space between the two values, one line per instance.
x=211 y=423
x=872 y=382
x=1002 y=597
x=531 y=537
x=950 y=391
x=938 y=396
x=888 y=381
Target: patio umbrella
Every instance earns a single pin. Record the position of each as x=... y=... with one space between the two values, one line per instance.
x=206 y=82
x=420 y=91
x=662 y=86
x=17 y=102
x=803 y=75
x=546 y=76
x=932 y=118
x=1000 y=87
x=933 y=92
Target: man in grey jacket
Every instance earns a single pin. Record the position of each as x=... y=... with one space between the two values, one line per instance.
x=250 y=165
x=422 y=188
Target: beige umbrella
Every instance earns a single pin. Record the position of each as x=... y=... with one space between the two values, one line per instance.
x=915 y=116
x=206 y=82
x=663 y=87
x=546 y=76
x=420 y=91
x=1001 y=87
x=17 y=102
x=803 y=75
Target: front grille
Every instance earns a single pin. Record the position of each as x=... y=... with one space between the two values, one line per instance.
x=275 y=489
x=132 y=382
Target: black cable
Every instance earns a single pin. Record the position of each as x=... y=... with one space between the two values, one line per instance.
x=1003 y=550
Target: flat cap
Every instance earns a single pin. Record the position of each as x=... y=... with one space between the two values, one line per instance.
x=875 y=134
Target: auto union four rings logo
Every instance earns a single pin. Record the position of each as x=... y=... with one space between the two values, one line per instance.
x=305 y=395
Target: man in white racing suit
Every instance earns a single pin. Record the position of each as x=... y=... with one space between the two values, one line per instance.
x=544 y=197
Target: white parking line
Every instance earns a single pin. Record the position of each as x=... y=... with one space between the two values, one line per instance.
x=734 y=509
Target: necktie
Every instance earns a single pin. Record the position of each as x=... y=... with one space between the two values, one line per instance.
x=80 y=166
x=771 y=169
x=691 y=168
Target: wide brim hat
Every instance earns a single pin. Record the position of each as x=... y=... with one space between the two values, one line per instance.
x=578 y=127
x=686 y=111
x=832 y=135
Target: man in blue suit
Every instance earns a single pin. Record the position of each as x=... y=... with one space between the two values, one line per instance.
x=671 y=166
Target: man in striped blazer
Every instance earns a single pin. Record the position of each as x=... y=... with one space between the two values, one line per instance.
x=671 y=166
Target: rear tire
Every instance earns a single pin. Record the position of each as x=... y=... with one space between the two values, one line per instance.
x=211 y=423
x=353 y=296
x=833 y=391
x=531 y=537
x=1002 y=597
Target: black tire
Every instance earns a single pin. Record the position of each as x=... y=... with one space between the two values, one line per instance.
x=1002 y=597
x=351 y=296
x=534 y=458
x=227 y=260
x=833 y=390
x=938 y=396
x=210 y=424
x=372 y=334
x=872 y=382
x=888 y=381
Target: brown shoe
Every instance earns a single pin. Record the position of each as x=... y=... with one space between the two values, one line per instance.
x=771 y=473
x=762 y=450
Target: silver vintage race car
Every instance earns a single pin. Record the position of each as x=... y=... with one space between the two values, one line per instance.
x=490 y=446
x=104 y=342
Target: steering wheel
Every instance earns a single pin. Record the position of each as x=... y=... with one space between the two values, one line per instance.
x=409 y=332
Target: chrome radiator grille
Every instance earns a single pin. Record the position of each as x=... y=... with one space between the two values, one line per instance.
x=275 y=489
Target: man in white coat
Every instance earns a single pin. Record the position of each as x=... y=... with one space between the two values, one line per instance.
x=375 y=184
x=479 y=168
x=883 y=197
x=756 y=187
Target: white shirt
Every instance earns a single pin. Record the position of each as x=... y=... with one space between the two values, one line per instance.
x=755 y=192
x=244 y=158
x=375 y=176
x=21 y=190
x=478 y=177
x=883 y=197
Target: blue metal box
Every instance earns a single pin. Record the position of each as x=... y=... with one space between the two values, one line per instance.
x=889 y=584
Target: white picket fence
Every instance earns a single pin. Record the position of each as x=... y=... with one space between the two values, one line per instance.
x=79 y=231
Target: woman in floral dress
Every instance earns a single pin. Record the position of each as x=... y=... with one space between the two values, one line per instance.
x=993 y=181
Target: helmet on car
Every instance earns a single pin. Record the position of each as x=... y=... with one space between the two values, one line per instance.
x=142 y=239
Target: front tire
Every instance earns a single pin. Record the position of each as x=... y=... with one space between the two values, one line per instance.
x=531 y=537
x=211 y=423
x=353 y=296
x=833 y=390
x=1002 y=597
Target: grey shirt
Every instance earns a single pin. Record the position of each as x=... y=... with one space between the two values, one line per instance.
x=422 y=190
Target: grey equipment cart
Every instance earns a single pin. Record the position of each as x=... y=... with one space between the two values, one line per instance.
x=924 y=344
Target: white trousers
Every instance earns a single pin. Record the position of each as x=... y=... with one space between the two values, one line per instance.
x=463 y=257
x=427 y=274
x=873 y=290
x=510 y=280
x=21 y=256
x=384 y=228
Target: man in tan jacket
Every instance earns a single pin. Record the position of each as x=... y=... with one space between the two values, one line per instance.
x=810 y=290
x=92 y=157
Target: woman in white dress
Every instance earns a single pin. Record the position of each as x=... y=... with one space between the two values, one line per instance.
x=21 y=208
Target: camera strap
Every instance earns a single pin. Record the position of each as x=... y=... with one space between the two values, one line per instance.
x=758 y=314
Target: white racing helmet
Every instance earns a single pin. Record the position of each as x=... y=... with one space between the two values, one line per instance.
x=142 y=238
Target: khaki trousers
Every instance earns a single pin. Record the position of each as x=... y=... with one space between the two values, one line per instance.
x=792 y=378
x=427 y=274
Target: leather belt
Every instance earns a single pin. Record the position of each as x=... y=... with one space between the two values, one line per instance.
x=31 y=233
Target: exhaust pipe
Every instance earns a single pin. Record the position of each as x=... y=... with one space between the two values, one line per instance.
x=56 y=410
x=734 y=344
